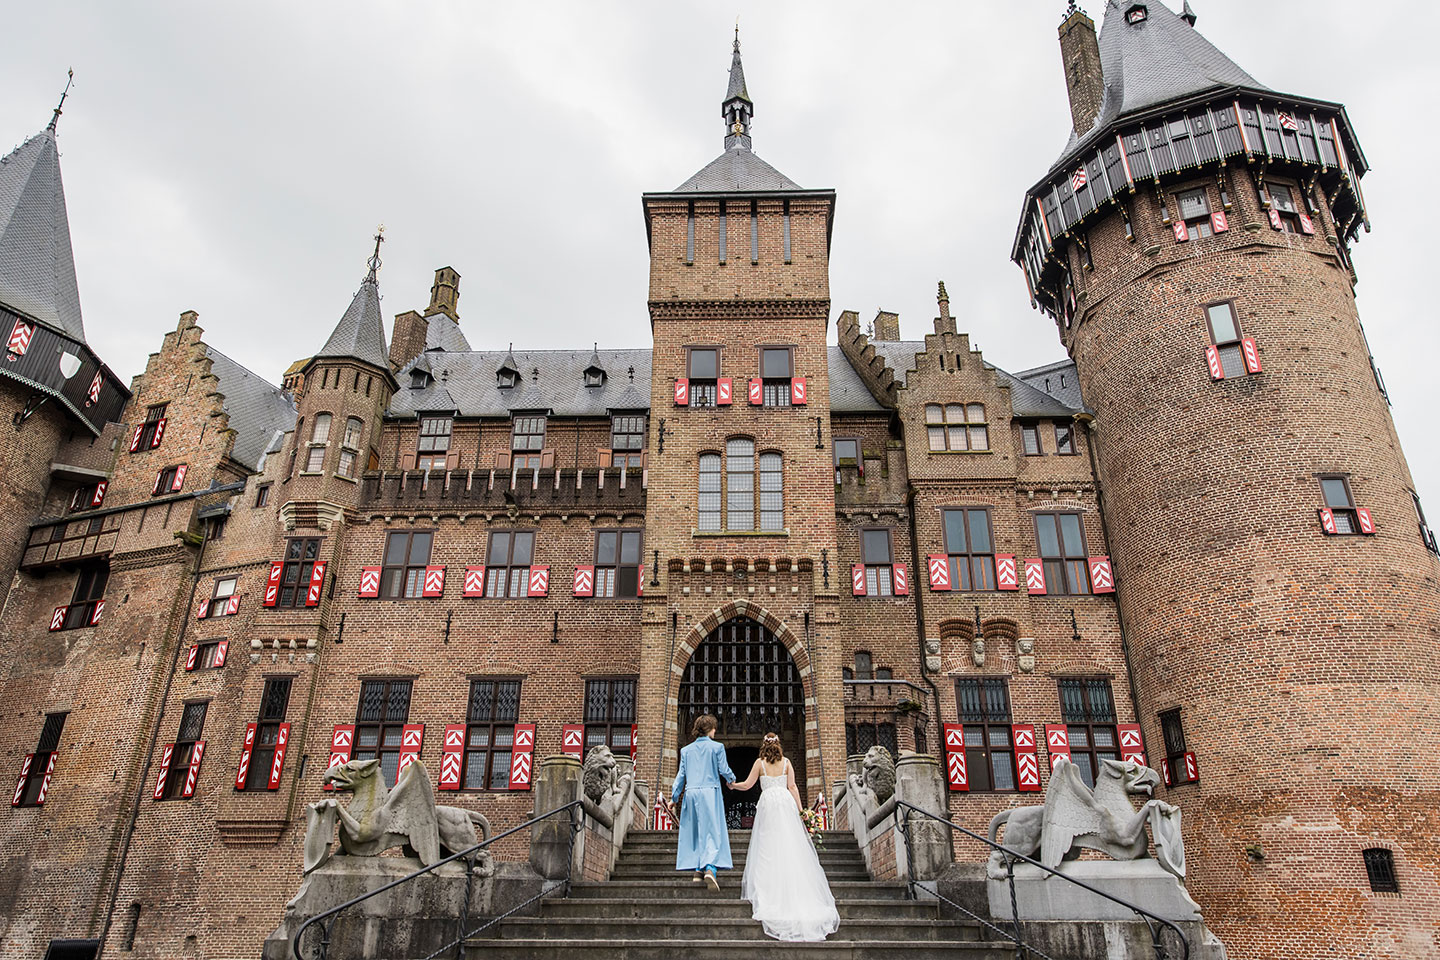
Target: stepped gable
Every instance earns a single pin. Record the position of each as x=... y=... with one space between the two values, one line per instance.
x=258 y=410
x=39 y=276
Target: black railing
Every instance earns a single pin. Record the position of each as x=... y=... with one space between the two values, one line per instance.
x=326 y=920
x=1156 y=924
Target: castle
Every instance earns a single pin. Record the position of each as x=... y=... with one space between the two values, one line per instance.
x=1195 y=543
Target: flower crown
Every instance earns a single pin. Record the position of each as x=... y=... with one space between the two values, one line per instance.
x=771 y=738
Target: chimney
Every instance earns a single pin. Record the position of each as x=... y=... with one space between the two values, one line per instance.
x=407 y=338
x=887 y=326
x=944 y=323
x=445 y=294
x=1080 y=56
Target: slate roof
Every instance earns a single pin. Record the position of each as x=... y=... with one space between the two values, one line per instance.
x=258 y=409
x=442 y=333
x=848 y=393
x=1059 y=380
x=465 y=382
x=361 y=331
x=37 y=265
x=1025 y=400
x=737 y=170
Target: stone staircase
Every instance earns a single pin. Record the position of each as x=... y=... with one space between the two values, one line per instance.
x=648 y=911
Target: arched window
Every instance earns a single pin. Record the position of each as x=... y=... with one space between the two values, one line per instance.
x=749 y=499
x=350 y=447
x=740 y=484
x=319 y=438
x=709 y=491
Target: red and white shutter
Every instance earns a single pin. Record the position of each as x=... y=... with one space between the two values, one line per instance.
x=57 y=619
x=45 y=780
x=159 y=433
x=317 y=584
x=1102 y=575
x=277 y=762
x=99 y=496
x=1007 y=576
x=900 y=580
x=412 y=737
x=434 y=585
x=167 y=753
x=522 y=756
x=955 y=770
x=1057 y=742
x=682 y=392
x=857 y=579
x=724 y=390
x=938 y=566
x=451 y=752
x=232 y=605
x=197 y=752
x=1165 y=771
x=221 y=649
x=93 y=394
x=572 y=739
x=1275 y=223
x=539 y=585
x=272 y=583
x=1034 y=576
x=1306 y=224
x=634 y=739
x=20 y=336
x=798 y=394
x=180 y=472
x=640 y=581
x=1182 y=233
x=369 y=581
x=1212 y=360
x=474 y=583
x=99 y=611
x=584 y=580
x=662 y=816
x=1367 y=523
x=191 y=656
x=135 y=438
x=342 y=741
x=1219 y=222
x=1027 y=762
x=1251 y=354
x=1192 y=769
x=1132 y=745
x=20 y=784
x=1327 y=523
x=247 y=749
x=757 y=391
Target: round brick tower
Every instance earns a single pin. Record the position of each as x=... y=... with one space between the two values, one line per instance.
x=1278 y=585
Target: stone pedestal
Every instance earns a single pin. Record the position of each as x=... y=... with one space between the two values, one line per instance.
x=920 y=782
x=1038 y=896
x=557 y=782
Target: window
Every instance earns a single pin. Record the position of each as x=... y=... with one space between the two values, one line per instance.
x=1062 y=548
x=776 y=369
x=703 y=366
x=192 y=723
x=35 y=775
x=984 y=709
x=350 y=447
x=1030 y=438
x=434 y=443
x=1195 y=212
x=89 y=591
x=710 y=497
x=1380 y=868
x=207 y=654
x=380 y=724
x=594 y=377
x=403 y=571
x=1064 y=438
x=319 y=440
x=860 y=737
x=150 y=430
x=490 y=733
x=1342 y=506
x=1089 y=713
x=875 y=553
x=300 y=557
x=617 y=563
x=971 y=549
x=224 y=590
x=772 y=492
x=847 y=456
x=1225 y=334
x=273 y=701
x=1174 y=734
x=957 y=426
x=507 y=563
x=864 y=665
x=214 y=527
x=527 y=440
x=506 y=377
x=740 y=484
x=165 y=482
x=627 y=440
x=609 y=714
x=743 y=509
x=1282 y=202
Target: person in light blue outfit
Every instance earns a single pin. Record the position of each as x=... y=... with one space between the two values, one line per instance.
x=704 y=840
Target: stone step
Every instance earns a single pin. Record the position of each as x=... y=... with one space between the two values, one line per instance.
x=675 y=886
x=833 y=949
x=658 y=927
x=624 y=871
x=714 y=907
x=660 y=859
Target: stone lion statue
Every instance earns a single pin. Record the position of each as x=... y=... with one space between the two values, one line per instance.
x=606 y=789
x=1075 y=817
x=876 y=782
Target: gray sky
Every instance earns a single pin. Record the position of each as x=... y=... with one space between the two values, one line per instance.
x=234 y=159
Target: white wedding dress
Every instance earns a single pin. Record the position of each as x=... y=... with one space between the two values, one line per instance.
x=783 y=879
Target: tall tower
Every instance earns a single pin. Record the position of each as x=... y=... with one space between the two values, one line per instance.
x=1192 y=246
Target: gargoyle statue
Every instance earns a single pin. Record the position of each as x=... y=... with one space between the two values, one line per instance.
x=1076 y=817
x=378 y=819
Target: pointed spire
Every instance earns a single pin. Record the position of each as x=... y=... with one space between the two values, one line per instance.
x=55 y=120
x=361 y=331
x=737 y=109
x=1188 y=15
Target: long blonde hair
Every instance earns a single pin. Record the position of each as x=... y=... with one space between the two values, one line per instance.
x=770 y=750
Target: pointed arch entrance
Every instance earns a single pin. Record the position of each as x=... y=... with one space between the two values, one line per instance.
x=743 y=675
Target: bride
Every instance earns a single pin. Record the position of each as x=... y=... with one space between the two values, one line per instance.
x=783 y=879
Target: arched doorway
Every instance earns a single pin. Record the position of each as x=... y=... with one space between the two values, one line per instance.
x=743 y=675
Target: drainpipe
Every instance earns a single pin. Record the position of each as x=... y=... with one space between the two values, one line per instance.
x=918 y=593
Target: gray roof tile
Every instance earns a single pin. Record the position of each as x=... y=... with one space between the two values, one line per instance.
x=468 y=379
x=361 y=331
x=258 y=409
x=737 y=170
x=442 y=333
x=1059 y=380
x=37 y=265
x=848 y=393
x=1025 y=400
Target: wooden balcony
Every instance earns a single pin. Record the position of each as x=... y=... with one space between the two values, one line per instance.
x=69 y=541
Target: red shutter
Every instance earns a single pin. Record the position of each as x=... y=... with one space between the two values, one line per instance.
x=857 y=579
x=221 y=649
x=277 y=764
x=156 y=489
x=682 y=392
x=99 y=495
x=451 y=753
x=1252 y=355
x=342 y=741
x=57 y=619
x=634 y=739
x=272 y=582
x=539 y=585
x=1027 y=763
x=798 y=395
x=1132 y=746
x=474 y=583
x=1057 y=742
x=757 y=391
x=1192 y=770
x=640 y=581
x=955 y=770
x=1007 y=576
x=938 y=566
x=159 y=433
x=584 y=580
x=723 y=390
x=1182 y=233
x=190 y=657
x=900 y=580
x=166 y=754
x=100 y=610
x=247 y=748
x=232 y=605
x=521 y=756
x=317 y=583
x=93 y=394
x=45 y=780
x=662 y=816
x=204 y=609
x=1165 y=771
x=1034 y=576
x=369 y=581
x=434 y=585
x=1219 y=222
x=197 y=753
x=1306 y=224
x=1212 y=360
x=1367 y=523
x=135 y=438
x=20 y=336
x=20 y=784
x=180 y=472
x=572 y=739
x=1275 y=223
x=412 y=738
x=1102 y=575
x=1327 y=522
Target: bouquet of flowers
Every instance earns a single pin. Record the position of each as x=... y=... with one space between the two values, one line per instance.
x=811 y=819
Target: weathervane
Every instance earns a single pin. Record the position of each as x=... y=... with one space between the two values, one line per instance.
x=55 y=120
x=374 y=261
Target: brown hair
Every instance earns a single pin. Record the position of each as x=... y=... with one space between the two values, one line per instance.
x=770 y=750
x=703 y=726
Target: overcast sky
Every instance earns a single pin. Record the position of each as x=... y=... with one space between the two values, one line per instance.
x=234 y=159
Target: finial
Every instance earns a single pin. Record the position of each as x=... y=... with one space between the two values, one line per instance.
x=1187 y=14
x=737 y=31
x=374 y=261
x=943 y=299
x=55 y=120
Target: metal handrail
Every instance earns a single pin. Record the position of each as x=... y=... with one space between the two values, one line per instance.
x=327 y=918
x=1155 y=923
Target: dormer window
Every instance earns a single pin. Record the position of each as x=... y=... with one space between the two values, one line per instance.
x=1137 y=14
x=594 y=377
x=507 y=378
x=419 y=379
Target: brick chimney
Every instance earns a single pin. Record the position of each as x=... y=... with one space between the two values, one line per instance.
x=1080 y=56
x=887 y=326
x=407 y=338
